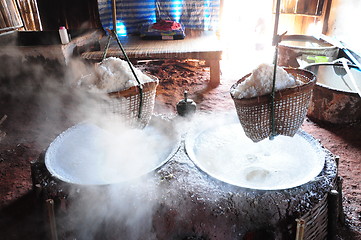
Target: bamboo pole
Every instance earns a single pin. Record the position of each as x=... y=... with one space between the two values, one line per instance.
x=6 y=15
x=51 y=218
x=332 y=214
x=29 y=14
x=9 y=15
x=277 y=18
x=14 y=13
x=300 y=229
x=341 y=214
x=2 y=20
x=326 y=16
x=19 y=20
x=26 y=14
x=37 y=19
x=5 y=12
x=114 y=15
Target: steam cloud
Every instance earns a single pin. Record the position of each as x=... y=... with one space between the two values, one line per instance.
x=48 y=100
x=118 y=211
x=114 y=211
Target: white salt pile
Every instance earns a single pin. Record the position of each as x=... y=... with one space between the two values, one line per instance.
x=114 y=74
x=260 y=82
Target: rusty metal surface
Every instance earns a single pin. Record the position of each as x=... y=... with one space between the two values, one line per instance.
x=328 y=105
x=333 y=104
x=301 y=47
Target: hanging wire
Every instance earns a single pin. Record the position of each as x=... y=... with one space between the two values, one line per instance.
x=113 y=33
x=273 y=124
x=275 y=41
x=140 y=86
x=106 y=47
x=273 y=93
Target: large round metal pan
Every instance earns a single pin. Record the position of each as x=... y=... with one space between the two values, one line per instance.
x=224 y=152
x=90 y=155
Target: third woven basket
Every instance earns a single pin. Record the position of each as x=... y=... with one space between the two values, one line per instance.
x=290 y=108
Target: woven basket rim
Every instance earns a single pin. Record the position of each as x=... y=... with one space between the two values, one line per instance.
x=148 y=86
x=281 y=93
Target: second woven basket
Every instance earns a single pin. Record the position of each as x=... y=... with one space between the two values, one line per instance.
x=290 y=108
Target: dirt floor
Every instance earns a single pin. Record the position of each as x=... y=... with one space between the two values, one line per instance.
x=29 y=124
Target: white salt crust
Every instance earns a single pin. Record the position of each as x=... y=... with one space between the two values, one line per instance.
x=260 y=82
x=112 y=75
x=225 y=153
x=87 y=154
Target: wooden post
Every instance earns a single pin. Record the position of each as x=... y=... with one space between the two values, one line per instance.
x=332 y=214
x=51 y=218
x=9 y=15
x=114 y=15
x=300 y=229
x=326 y=17
x=277 y=18
x=341 y=214
x=337 y=159
x=215 y=73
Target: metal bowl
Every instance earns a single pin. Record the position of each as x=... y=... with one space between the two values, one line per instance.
x=87 y=154
x=335 y=99
x=224 y=152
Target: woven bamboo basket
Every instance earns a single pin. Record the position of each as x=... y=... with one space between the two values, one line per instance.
x=290 y=108
x=125 y=104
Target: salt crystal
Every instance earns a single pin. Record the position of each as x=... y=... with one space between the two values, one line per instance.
x=260 y=82
x=114 y=74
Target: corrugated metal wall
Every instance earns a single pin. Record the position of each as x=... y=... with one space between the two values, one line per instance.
x=193 y=14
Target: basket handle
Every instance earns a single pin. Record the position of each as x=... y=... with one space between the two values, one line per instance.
x=112 y=33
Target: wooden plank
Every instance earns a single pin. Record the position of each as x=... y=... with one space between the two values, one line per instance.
x=36 y=15
x=9 y=15
x=5 y=13
x=215 y=73
x=14 y=13
x=2 y=19
x=202 y=45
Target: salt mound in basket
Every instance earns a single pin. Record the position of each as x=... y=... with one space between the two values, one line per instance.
x=252 y=98
x=124 y=99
